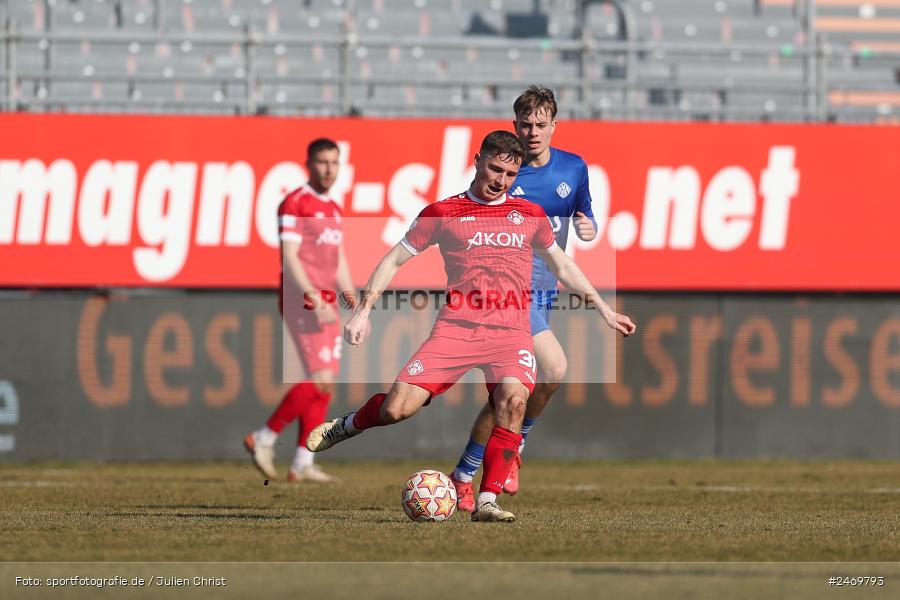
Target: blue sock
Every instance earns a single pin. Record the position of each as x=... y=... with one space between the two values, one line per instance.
x=527 y=424
x=469 y=461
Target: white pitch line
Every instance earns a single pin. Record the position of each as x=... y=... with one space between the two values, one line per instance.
x=38 y=483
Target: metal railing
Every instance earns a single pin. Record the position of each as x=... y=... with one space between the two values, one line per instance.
x=625 y=90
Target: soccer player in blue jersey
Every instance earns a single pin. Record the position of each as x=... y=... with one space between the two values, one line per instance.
x=558 y=181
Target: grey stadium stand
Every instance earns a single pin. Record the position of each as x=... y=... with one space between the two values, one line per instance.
x=780 y=60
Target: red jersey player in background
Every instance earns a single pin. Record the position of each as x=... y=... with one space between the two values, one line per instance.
x=313 y=265
x=486 y=240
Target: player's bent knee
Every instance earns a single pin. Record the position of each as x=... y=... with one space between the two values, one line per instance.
x=513 y=402
x=517 y=408
x=555 y=373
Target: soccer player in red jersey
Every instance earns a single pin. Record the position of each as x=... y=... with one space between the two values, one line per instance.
x=486 y=239
x=558 y=181
x=313 y=266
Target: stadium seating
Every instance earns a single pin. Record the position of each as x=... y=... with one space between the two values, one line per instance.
x=699 y=59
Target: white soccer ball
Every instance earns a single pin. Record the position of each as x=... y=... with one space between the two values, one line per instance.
x=429 y=496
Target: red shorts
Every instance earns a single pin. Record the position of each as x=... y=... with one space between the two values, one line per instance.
x=454 y=348
x=318 y=344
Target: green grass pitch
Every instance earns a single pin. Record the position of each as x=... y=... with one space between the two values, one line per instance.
x=703 y=514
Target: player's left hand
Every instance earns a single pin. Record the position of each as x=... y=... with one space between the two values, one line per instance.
x=621 y=323
x=584 y=227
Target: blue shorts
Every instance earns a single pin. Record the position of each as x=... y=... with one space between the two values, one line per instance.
x=539 y=315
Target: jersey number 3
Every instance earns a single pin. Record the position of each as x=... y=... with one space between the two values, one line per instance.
x=527 y=359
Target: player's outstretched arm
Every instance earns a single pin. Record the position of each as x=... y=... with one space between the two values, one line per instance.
x=574 y=278
x=357 y=327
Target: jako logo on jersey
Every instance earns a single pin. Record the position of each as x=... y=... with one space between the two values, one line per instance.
x=492 y=238
x=563 y=189
x=330 y=237
x=518 y=191
x=469 y=218
x=415 y=367
x=516 y=217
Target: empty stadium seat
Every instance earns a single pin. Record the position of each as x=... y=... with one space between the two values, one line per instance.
x=692 y=56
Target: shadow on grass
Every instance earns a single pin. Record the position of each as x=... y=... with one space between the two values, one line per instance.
x=216 y=516
x=685 y=570
x=197 y=506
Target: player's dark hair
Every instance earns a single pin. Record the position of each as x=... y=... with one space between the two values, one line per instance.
x=503 y=144
x=318 y=145
x=534 y=99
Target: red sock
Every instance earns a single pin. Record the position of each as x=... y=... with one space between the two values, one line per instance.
x=292 y=405
x=368 y=416
x=499 y=454
x=312 y=414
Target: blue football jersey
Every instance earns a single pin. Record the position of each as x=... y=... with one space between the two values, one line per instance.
x=561 y=188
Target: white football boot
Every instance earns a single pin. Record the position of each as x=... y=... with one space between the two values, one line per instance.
x=327 y=434
x=263 y=456
x=489 y=512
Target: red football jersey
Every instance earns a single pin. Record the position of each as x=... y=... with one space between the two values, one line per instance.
x=487 y=250
x=313 y=220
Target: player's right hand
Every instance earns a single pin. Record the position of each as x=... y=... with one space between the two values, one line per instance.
x=621 y=323
x=356 y=330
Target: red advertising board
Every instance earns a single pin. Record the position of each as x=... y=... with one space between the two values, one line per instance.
x=191 y=201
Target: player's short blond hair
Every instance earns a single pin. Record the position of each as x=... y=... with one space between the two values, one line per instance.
x=503 y=144
x=534 y=99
